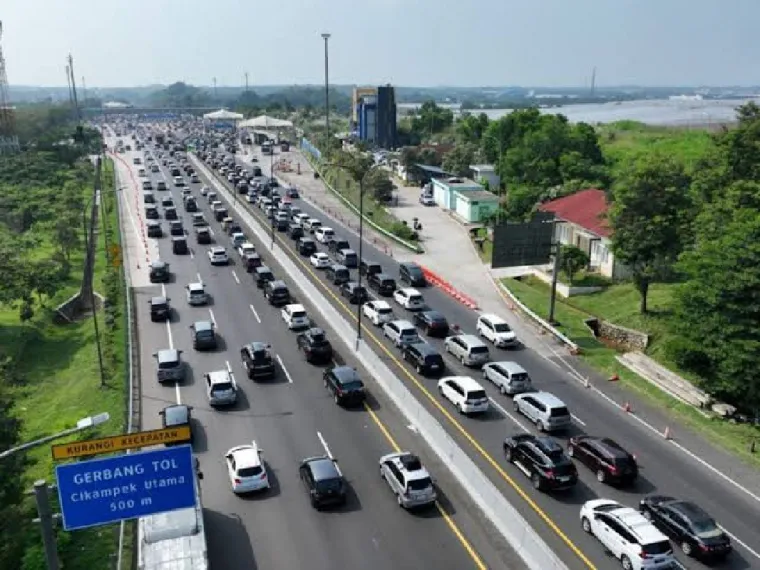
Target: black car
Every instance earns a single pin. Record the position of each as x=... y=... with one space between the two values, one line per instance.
x=277 y=293
x=432 y=322
x=687 y=524
x=251 y=261
x=262 y=275
x=295 y=231
x=337 y=274
x=177 y=415
x=203 y=335
x=323 y=481
x=306 y=246
x=159 y=272
x=203 y=236
x=411 y=273
x=151 y=212
x=354 y=292
x=170 y=213
x=315 y=346
x=337 y=244
x=154 y=229
x=159 y=309
x=179 y=245
x=282 y=225
x=425 y=359
x=190 y=204
x=234 y=228
x=176 y=228
x=384 y=284
x=605 y=457
x=345 y=385
x=543 y=460
x=368 y=267
x=258 y=360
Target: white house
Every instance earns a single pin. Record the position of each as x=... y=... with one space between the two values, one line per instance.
x=485 y=172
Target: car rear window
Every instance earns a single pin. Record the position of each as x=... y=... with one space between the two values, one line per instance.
x=655 y=548
x=420 y=484
x=559 y=412
x=328 y=485
x=476 y=395
x=352 y=385
x=166 y=364
x=384 y=311
x=434 y=359
x=204 y=334
x=520 y=377
x=479 y=350
x=250 y=471
x=501 y=327
x=221 y=387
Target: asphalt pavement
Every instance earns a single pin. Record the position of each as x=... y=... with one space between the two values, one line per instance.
x=663 y=470
x=292 y=418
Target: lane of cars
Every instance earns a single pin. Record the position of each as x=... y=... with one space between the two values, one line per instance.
x=224 y=314
x=541 y=408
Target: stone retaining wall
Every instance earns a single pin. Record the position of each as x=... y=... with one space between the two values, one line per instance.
x=622 y=337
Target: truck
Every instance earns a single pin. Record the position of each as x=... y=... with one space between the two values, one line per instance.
x=174 y=540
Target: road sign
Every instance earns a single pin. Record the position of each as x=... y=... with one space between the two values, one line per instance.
x=121 y=442
x=102 y=491
x=517 y=244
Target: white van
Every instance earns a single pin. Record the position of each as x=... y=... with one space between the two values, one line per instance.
x=466 y=394
x=509 y=377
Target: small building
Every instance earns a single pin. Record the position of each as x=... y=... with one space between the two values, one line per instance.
x=468 y=200
x=582 y=222
x=424 y=173
x=486 y=172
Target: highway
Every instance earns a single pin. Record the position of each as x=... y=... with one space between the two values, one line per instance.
x=291 y=418
x=664 y=470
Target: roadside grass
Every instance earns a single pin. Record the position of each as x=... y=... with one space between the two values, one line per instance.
x=625 y=141
x=619 y=304
x=60 y=384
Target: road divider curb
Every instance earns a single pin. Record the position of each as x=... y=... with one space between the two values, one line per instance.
x=449 y=289
x=504 y=516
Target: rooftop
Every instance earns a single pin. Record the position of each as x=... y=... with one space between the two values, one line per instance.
x=479 y=195
x=432 y=169
x=459 y=182
x=483 y=167
x=587 y=209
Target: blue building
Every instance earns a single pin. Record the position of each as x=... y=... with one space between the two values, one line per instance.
x=374 y=116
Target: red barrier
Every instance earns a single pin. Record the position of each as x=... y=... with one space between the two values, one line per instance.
x=434 y=279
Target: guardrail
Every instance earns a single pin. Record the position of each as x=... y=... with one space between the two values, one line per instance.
x=411 y=246
x=505 y=517
x=447 y=287
x=515 y=304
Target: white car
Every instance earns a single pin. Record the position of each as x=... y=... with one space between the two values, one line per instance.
x=196 y=294
x=324 y=235
x=409 y=298
x=245 y=248
x=311 y=224
x=496 y=329
x=427 y=199
x=205 y=190
x=295 y=317
x=218 y=256
x=320 y=260
x=627 y=535
x=378 y=312
x=246 y=470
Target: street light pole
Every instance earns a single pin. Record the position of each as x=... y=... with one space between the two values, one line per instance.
x=326 y=37
x=92 y=289
x=361 y=244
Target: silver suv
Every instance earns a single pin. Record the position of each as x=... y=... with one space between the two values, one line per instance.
x=221 y=388
x=170 y=365
x=468 y=349
x=408 y=479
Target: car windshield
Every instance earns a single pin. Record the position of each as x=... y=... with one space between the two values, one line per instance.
x=476 y=395
x=204 y=334
x=328 y=485
x=420 y=484
x=352 y=385
x=479 y=350
x=222 y=387
x=559 y=412
x=250 y=471
x=705 y=528
x=501 y=327
x=656 y=548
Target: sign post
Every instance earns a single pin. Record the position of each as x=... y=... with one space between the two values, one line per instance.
x=102 y=491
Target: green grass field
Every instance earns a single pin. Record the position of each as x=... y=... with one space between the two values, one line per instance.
x=60 y=384
x=619 y=304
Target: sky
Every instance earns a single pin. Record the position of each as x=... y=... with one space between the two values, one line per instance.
x=550 y=43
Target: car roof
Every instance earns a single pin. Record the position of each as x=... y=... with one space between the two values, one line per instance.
x=465 y=382
x=345 y=373
x=295 y=307
x=402 y=324
x=218 y=376
x=509 y=366
x=688 y=509
x=410 y=291
x=246 y=456
x=381 y=304
x=495 y=319
x=203 y=325
x=320 y=254
x=217 y=249
x=646 y=532
x=167 y=355
x=425 y=348
x=410 y=265
x=315 y=331
x=158 y=300
x=257 y=345
x=176 y=414
x=546 y=397
x=323 y=468
x=277 y=284
x=471 y=339
x=197 y=286
x=432 y=313
x=410 y=465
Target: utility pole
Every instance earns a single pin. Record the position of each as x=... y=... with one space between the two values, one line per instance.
x=45 y=513
x=84 y=91
x=215 y=98
x=246 y=82
x=74 y=88
x=68 y=81
x=326 y=37
x=555 y=275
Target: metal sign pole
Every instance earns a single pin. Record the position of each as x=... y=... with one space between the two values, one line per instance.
x=555 y=273
x=42 y=498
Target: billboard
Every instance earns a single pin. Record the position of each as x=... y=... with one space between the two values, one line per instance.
x=523 y=243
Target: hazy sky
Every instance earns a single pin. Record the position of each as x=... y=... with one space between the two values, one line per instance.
x=404 y=42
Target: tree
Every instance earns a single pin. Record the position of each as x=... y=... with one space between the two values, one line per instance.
x=409 y=156
x=650 y=218
x=67 y=234
x=458 y=160
x=380 y=186
x=572 y=259
x=470 y=128
x=431 y=119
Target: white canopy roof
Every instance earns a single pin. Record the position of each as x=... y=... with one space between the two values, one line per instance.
x=265 y=121
x=223 y=115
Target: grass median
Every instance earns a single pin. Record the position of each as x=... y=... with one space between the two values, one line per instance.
x=621 y=302
x=57 y=382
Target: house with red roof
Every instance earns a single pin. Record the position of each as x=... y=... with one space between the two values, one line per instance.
x=581 y=220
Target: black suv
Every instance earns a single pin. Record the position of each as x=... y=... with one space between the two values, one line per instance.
x=203 y=236
x=295 y=231
x=159 y=272
x=176 y=228
x=154 y=229
x=315 y=346
x=170 y=213
x=383 y=283
x=257 y=360
x=179 y=245
x=695 y=531
x=323 y=481
x=345 y=385
x=543 y=460
x=337 y=244
x=367 y=267
x=306 y=246
x=159 y=309
x=425 y=359
x=203 y=335
x=262 y=275
x=432 y=322
x=276 y=292
x=354 y=292
x=411 y=273
x=605 y=457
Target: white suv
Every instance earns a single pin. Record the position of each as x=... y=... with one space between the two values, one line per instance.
x=378 y=312
x=496 y=330
x=408 y=479
x=295 y=317
x=409 y=298
x=630 y=537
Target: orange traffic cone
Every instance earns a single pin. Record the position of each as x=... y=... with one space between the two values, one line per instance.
x=627 y=407
x=666 y=434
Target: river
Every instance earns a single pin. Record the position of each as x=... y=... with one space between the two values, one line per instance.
x=665 y=112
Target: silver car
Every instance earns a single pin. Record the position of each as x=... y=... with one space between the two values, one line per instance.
x=221 y=388
x=408 y=479
x=170 y=365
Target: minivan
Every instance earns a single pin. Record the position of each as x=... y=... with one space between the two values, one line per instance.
x=369 y=268
x=468 y=349
x=410 y=272
x=509 y=377
x=465 y=393
x=338 y=274
x=424 y=358
x=548 y=412
x=295 y=231
x=401 y=333
x=276 y=292
x=384 y=284
x=347 y=257
x=170 y=366
x=263 y=275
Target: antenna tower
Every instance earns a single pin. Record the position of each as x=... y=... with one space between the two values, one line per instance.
x=8 y=139
x=593 y=81
x=74 y=88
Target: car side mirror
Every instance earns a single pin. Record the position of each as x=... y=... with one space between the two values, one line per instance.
x=155 y=355
x=161 y=413
x=180 y=351
x=168 y=299
x=200 y=475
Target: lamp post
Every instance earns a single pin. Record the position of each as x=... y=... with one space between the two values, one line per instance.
x=326 y=37
x=95 y=196
x=42 y=490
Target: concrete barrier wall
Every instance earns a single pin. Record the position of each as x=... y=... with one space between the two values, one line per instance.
x=504 y=516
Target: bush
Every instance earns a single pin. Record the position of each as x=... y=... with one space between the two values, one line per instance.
x=403 y=231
